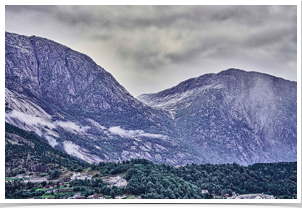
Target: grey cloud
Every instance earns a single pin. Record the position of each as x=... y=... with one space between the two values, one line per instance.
x=102 y=36
x=179 y=17
x=27 y=8
x=155 y=38
x=198 y=20
x=132 y=16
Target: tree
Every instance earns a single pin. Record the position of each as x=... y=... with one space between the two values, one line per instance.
x=148 y=186
x=43 y=183
x=208 y=196
x=76 y=189
x=112 y=193
x=130 y=173
x=54 y=174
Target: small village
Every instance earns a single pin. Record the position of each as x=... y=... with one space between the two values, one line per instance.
x=61 y=188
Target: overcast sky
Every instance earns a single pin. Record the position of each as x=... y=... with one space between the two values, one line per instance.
x=152 y=48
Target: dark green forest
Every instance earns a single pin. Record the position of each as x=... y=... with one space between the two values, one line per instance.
x=165 y=181
x=151 y=181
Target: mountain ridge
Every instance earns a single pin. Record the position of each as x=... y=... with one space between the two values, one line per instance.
x=250 y=104
x=162 y=92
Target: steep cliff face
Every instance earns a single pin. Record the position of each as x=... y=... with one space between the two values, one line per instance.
x=234 y=116
x=73 y=103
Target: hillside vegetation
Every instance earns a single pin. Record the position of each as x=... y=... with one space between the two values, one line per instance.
x=26 y=153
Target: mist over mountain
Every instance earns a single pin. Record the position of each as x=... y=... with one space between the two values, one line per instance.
x=77 y=107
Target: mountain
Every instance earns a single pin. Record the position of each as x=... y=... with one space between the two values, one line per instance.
x=234 y=116
x=67 y=100
x=64 y=97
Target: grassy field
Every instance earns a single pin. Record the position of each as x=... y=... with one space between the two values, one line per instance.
x=42 y=189
x=62 y=187
x=130 y=197
x=15 y=179
x=47 y=196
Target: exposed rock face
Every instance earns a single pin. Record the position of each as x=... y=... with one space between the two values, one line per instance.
x=234 y=116
x=76 y=106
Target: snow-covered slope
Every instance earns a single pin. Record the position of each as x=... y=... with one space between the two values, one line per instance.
x=234 y=116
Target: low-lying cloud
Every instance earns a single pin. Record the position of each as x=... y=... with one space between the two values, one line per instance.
x=81 y=153
x=70 y=126
x=133 y=133
x=156 y=47
x=40 y=122
x=29 y=119
x=51 y=141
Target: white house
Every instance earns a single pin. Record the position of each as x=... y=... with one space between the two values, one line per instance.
x=75 y=175
x=120 y=197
